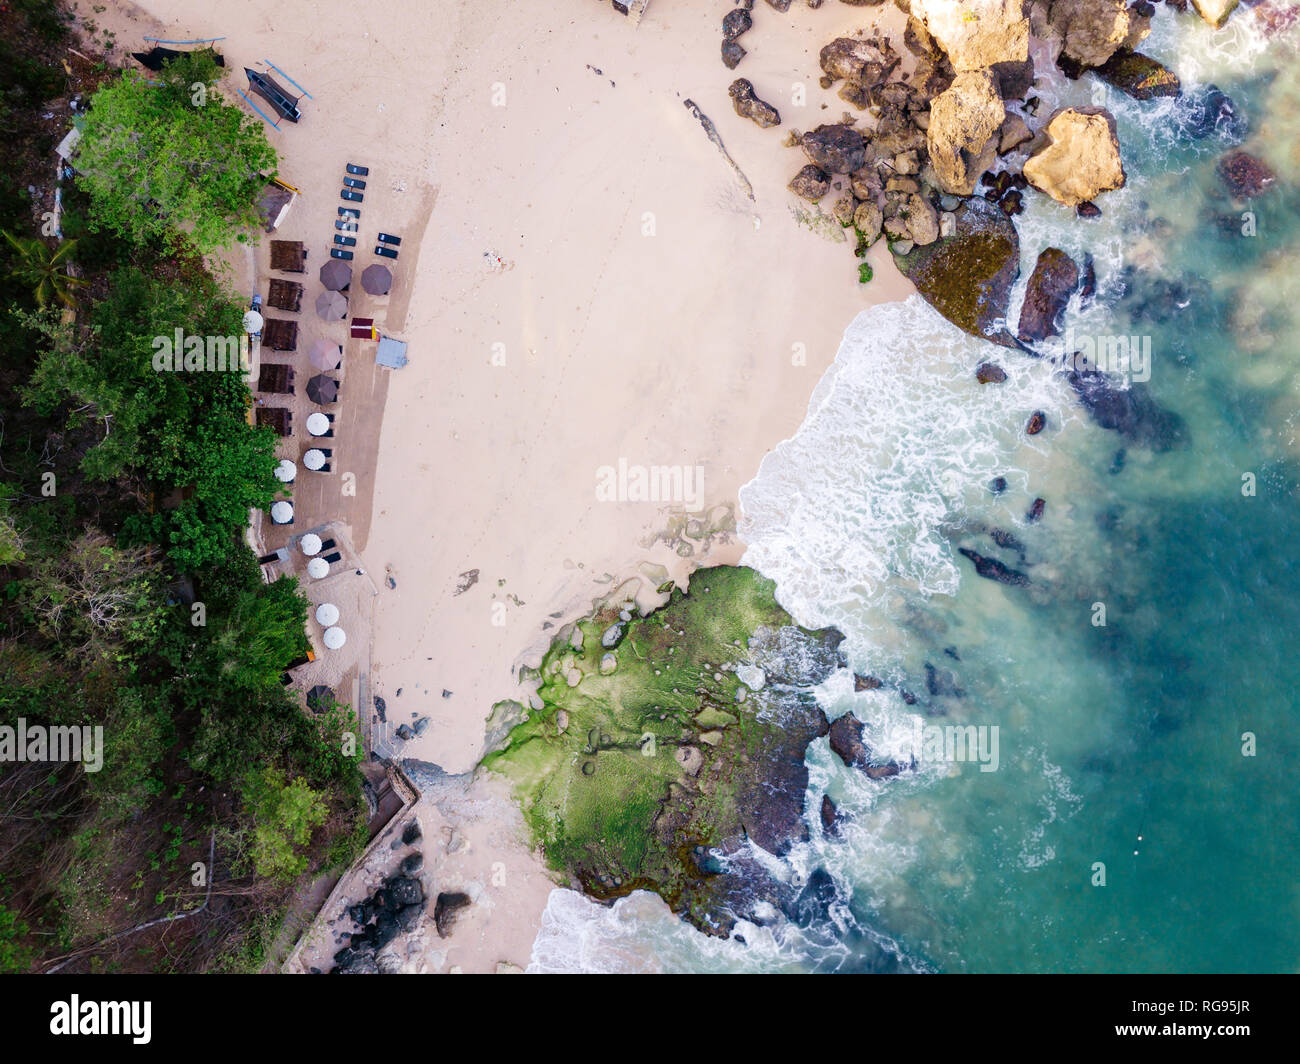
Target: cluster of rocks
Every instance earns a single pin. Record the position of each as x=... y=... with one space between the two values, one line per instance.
x=395 y=908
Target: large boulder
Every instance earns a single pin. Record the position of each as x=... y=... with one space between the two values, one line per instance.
x=1139 y=75
x=1092 y=31
x=857 y=59
x=1215 y=12
x=837 y=148
x=1053 y=281
x=1081 y=160
x=445 y=910
x=967 y=276
x=748 y=105
x=810 y=183
x=978 y=33
x=1245 y=175
x=846 y=740
x=964 y=123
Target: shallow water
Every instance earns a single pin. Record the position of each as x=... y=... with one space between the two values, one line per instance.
x=1120 y=745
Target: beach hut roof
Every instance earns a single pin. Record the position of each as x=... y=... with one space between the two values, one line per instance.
x=156 y=57
x=288 y=255
x=274 y=204
x=284 y=295
x=275 y=378
x=275 y=417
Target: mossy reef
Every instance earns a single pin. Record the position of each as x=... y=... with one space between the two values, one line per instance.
x=664 y=744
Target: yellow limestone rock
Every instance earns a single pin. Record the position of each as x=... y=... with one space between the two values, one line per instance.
x=1081 y=161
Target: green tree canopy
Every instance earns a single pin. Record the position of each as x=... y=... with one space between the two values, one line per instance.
x=173 y=161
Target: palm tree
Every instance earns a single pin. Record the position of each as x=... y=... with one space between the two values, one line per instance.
x=42 y=268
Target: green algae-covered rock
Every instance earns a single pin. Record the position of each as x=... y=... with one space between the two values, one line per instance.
x=967 y=277
x=655 y=774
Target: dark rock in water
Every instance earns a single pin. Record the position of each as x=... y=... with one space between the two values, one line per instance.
x=1053 y=281
x=1007 y=541
x=990 y=373
x=381 y=707
x=1037 y=422
x=1139 y=75
x=412 y=864
x=830 y=818
x=411 y=833
x=1129 y=411
x=998 y=485
x=402 y=891
x=810 y=183
x=735 y=22
x=421 y=725
x=967 y=277
x=941 y=683
x=732 y=54
x=1210 y=111
x=748 y=105
x=408 y=917
x=1245 y=175
x=846 y=740
x=1117 y=463
x=446 y=909
x=1088 y=209
x=992 y=569
x=1036 y=510
x=404 y=732
x=837 y=148
x=907 y=696
x=865 y=683
x=1088 y=284
x=1012 y=203
x=952 y=653
x=814 y=901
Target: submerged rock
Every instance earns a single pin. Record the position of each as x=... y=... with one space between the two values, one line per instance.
x=1210 y=111
x=1053 y=281
x=1129 y=411
x=1245 y=175
x=830 y=818
x=992 y=569
x=846 y=741
x=1081 y=159
x=990 y=373
x=1139 y=75
x=967 y=277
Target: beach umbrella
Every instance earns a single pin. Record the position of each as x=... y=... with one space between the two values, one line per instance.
x=377 y=280
x=336 y=275
x=322 y=389
x=310 y=544
x=334 y=638
x=318 y=568
x=320 y=698
x=327 y=614
x=325 y=354
x=285 y=471
x=281 y=513
x=332 y=306
x=314 y=459
x=318 y=424
x=253 y=322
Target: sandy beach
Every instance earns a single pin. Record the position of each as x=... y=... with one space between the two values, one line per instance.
x=583 y=282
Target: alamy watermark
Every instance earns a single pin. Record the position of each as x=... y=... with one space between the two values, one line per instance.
x=638 y=483
x=1126 y=357
x=38 y=743
x=180 y=353
x=956 y=743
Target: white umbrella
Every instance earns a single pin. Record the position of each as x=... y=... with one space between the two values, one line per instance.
x=253 y=322
x=281 y=513
x=285 y=471
x=318 y=568
x=327 y=614
x=334 y=638
x=314 y=459
x=310 y=544
x=318 y=424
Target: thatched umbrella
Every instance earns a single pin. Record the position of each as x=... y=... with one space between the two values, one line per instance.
x=320 y=699
x=332 y=306
x=377 y=279
x=336 y=275
x=322 y=389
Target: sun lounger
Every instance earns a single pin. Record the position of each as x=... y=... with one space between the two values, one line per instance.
x=345 y=241
x=337 y=253
x=360 y=171
x=354 y=197
x=352 y=182
x=329 y=544
x=335 y=557
x=385 y=252
x=346 y=225
x=386 y=238
x=349 y=212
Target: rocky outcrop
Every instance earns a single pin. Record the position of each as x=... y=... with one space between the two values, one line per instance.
x=446 y=909
x=394 y=909
x=748 y=105
x=964 y=121
x=1215 y=12
x=1092 y=31
x=1139 y=75
x=846 y=741
x=967 y=277
x=992 y=569
x=1245 y=175
x=1129 y=411
x=1210 y=111
x=810 y=183
x=830 y=817
x=990 y=373
x=1053 y=281
x=1081 y=159
x=976 y=34
x=862 y=61
x=836 y=148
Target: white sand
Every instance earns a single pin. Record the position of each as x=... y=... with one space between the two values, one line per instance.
x=646 y=309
